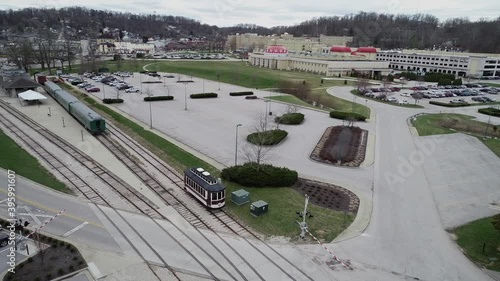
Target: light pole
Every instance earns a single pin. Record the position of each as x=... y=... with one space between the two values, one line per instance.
x=270 y=113
x=353 y=102
x=140 y=80
x=265 y=117
x=218 y=80
x=150 y=116
x=185 y=97
x=236 y=148
x=203 y=85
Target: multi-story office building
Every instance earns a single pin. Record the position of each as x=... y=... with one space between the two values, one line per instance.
x=459 y=64
x=251 y=41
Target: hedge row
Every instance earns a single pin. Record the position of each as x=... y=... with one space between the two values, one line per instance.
x=253 y=174
x=108 y=101
x=245 y=93
x=204 y=95
x=290 y=118
x=490 y=111
x=347 y=115
x=447 y=104
x=157 y=98
x=151 y=82
x=271 y=137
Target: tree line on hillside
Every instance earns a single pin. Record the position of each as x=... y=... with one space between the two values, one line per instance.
x=387 y=31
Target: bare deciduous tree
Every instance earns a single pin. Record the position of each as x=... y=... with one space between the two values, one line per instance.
x=362 y=83
x=259 y=152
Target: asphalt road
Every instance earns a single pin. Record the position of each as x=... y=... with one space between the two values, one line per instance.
x=405 y=234
x=78 y=222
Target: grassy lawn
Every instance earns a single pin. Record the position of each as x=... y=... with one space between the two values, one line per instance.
x=355 y=92
x=448 y=123
x=492 y=84
x=15 y=158
x=281 y=218
x=283 y=202
x=471 y=237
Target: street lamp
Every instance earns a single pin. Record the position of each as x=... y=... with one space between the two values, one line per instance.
x=265 y=116
x=185 y=97
x=150 y=116
x=236 y=148
x=140 y=80
x=353 y=102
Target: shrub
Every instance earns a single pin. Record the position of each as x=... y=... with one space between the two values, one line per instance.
x=253 y=174
x=152 y=82
x=49 y=239
x=457 y=82
x=203 y=95
x=444 y=82
x=30 y=259
x=271 y=137
x=290 y=118
x=37 y=278
x=48 y=276
x=347 y=115
x=245 y=93
x=75 y=258
x=109 y=101
x=446 y=104
x=21 y=265
x=71 y=268
x=60 y=271
x=61 y=243
x=490 y=111
x=157 y=98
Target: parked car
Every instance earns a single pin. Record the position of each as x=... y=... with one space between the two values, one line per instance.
x=478 y=99
x=458 y=101
x=93 y=89
x=392 y=99
x=403 y=102
x=405 y=95
x=132 y=90
x=487 y=99
x=123 y=87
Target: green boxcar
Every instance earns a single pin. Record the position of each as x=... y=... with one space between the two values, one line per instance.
x=92 y=121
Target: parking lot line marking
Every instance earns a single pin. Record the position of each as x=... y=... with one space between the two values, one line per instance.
x=75 y=229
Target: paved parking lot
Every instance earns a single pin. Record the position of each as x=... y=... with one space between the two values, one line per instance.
x=463 y=175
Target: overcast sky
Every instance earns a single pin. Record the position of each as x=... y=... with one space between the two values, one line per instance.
x=272 y=13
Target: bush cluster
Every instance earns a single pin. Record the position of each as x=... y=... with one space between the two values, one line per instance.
x=347 y=115
x=260 y=175
x=203 y=95
x=446 y=104
x=108 y=101
x=157 y=98
x=490 y=111
x=152 y=82
x=271 y=137
x=290 y=118
x=245 y=93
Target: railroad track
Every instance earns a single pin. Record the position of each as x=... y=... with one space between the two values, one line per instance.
x=125 y=191
x=220 y=215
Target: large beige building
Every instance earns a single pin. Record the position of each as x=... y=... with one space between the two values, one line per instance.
x=332 y=64
x=252 y=41
x=457 y=63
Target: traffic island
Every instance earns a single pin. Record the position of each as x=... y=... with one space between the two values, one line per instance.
x=54 y=259
x=341 y=146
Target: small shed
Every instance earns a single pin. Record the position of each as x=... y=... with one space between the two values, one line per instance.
x=240 y=197
x=259 y=208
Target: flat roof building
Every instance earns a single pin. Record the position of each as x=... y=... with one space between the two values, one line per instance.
x=456 y=63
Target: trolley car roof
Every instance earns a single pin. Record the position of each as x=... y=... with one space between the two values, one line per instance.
x=207 y=182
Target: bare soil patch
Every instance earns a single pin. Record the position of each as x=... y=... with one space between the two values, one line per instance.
x=328 y=195
x=342 y=146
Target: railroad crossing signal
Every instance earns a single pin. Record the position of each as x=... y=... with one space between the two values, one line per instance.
x=303 y=215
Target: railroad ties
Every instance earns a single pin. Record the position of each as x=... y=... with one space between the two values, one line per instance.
x=124 y=190
x=168 y=197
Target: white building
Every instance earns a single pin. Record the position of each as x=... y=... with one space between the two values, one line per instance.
x=459 y=64
x=278 y=57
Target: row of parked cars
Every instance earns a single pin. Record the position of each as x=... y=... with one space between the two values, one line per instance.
x=111 y=80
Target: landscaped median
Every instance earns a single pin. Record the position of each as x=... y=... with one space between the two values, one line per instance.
x=347 y=116
x=490 y=111
x=203 y=95
x=158 y=98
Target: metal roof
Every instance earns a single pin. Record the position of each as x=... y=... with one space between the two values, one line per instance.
x=207 y=182
x=19 y=82
x=84 y=111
